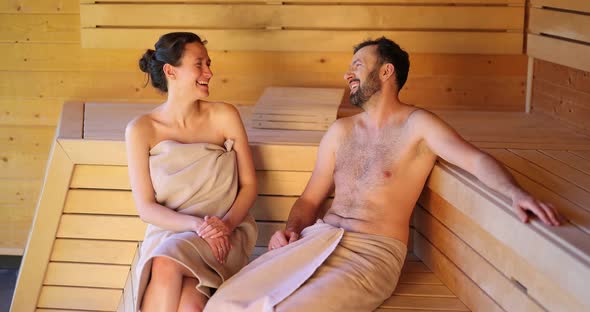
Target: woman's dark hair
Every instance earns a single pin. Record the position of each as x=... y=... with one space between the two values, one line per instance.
x=169 y=50
x=390 y=52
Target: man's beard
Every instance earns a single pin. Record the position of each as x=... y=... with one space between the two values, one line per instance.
x=366 y=90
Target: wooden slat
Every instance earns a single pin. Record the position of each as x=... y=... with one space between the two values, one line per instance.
x=456 y=2
x=55 y=57
x=440 y=91
x=557 y=168
x=559 y=51
x=469 y=292
x=561 y=24
x=93 y=251
x=40 y=6
x=289 y=16
x=100 y=177
x=420 y=278
x=29 y=111
x=86 y=275
x=499 y=255
x=562 y=107
x=289 y=183
x=565 y=103
x=266 y=208
x=96 y=152
x=542 y=176
x=43 y=231
x=423 y=290
x=431 y=303
x=100 y=202
x=415 y=266
x=484 y=274
x=284 y=157
x=130 y=228
x=576 y=215
x=309 y=40
x=565 y=245
x=583 y=154
x=570 y=159
x=19 y=165
x=79 y=298
x=121 y=228
x=26 y=139
x=562 y=75
x=573 y=5
x=40 y=28
x=272 y=208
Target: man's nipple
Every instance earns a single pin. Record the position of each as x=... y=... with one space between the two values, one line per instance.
x=387 y=174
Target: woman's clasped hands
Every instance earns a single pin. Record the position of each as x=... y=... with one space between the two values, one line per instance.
x=216 y=233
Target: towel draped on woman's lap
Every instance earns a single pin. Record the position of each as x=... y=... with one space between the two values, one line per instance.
x=328 y=269
x=198 y=179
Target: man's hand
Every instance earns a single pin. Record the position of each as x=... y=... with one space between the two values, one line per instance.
x=282 y=238
x=523 y=201
x=220 y=247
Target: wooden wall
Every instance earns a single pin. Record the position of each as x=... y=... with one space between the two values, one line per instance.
x=562 y=92
x=559 y=43
x=44 y=64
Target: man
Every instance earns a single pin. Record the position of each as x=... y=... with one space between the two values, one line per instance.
x=378 y=162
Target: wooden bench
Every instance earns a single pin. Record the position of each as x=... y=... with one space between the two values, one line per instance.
x=468 y=251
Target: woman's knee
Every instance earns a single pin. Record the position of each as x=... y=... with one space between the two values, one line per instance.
x=163 y=267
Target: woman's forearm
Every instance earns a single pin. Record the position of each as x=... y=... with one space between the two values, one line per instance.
x=168 y=219
x=239 y=209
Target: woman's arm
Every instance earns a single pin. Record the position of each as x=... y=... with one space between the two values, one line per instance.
x=136 y=140
x=247 y=188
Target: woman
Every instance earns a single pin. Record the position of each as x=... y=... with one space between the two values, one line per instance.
x=193 y=182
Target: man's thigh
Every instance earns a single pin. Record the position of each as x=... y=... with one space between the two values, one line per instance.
x=344 y=282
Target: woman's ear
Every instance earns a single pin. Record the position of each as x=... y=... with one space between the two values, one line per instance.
x=169 y=71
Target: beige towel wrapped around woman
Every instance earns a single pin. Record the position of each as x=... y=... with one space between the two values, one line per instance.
x=198 y=179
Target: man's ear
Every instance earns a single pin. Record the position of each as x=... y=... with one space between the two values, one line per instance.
x=169 y=71
x=388 y=70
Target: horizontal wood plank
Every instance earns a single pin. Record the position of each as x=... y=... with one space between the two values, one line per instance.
x=118 y=228
x=310 y=40
x=86 y=275
x=573 y=5
x=475 y=267
x=561 y=24
x=72 y=298
x=252 y=16
x=559 y=51
x=461 y=285
x=40 y=28
x=93 y=251
x=502 y=257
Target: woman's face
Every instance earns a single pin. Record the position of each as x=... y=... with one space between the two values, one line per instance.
x=193 y=74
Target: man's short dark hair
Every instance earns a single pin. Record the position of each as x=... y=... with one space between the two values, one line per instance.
x=390 y=52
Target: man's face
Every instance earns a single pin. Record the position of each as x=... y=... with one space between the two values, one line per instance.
x=363 y=76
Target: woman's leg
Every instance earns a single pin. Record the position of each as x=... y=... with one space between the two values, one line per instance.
x=191 y=300
x=163 y=291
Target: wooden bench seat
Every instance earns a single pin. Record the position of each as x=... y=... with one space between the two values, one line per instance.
x=469 y=252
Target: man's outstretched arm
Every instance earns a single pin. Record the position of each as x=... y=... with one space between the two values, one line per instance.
x=445 y=142
x=305 y=210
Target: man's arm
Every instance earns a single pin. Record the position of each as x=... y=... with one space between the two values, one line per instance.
x=445 y=142
x=305 y=210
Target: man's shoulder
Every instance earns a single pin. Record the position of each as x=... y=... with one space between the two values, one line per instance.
x=422 y=117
